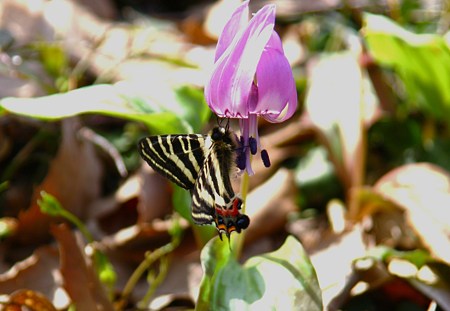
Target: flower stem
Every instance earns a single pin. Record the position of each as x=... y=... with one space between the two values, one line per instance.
x=239 y=239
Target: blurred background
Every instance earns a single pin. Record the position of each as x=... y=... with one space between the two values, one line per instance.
x=360 y=175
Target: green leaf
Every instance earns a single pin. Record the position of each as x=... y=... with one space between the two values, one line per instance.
x=421 y=61
x=161 y=108
x=281 y=280
x=50 y=205
x=181 y=200
x=196 y=110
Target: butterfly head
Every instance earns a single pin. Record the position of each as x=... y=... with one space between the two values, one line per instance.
x=218 y=133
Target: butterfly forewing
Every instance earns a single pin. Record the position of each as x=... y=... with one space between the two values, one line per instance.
x=177 y=157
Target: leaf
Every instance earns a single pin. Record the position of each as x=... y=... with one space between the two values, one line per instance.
x=315 y=171
x=197 y=112
x=29 y=299
x=161 y=108
x=39 y=273
x=423 y=191
x=421 y=61
x=73 y=187
x=281 y=280
x=433 y=281
x=79 y=278
x=339 y=114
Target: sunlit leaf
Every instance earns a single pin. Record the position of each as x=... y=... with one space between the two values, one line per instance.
x=167 y=111
x=340 y=112
x=281 y=280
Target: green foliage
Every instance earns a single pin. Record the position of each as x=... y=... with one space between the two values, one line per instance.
x=280 y=280
x=421 y=61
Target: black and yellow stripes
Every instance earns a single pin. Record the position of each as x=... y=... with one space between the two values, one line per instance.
x=199 y=163
x=177 y=157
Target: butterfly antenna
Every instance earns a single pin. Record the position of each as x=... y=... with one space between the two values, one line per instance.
x=220 y=122
x=227 y=126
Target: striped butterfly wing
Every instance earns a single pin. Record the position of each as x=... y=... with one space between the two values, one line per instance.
x=201 y=164
x=213 y=186
x=177 y=157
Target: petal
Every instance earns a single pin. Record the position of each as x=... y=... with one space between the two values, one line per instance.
x=235 y=24
x=277 y=94
x=230 y=84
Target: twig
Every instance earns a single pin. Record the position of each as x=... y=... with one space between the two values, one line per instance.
x=107 y=147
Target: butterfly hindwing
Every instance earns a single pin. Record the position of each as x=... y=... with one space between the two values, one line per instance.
x=213 y=187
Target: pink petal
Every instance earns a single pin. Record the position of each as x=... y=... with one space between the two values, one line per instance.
x=277 y=95
x=230 y=84
x=235 y=24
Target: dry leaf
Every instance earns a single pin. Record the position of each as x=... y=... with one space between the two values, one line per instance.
x=342 y=249
x=79 y=277
x=29 y=299
x=38 y=273
x=423 y=191
x=154 y=195
x=74 y=178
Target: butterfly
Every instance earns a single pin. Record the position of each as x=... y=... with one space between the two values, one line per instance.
x=201 y=164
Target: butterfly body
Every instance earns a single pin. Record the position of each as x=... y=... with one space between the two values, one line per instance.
x=201 y=164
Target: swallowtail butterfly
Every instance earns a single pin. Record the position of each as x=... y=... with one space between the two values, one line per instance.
x=202 y=165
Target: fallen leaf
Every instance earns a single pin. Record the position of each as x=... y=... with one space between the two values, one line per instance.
x=38 y=273
x=79 y=277
x=74 y=178
x=343 y=249
x=423 y=191
x=31 y=299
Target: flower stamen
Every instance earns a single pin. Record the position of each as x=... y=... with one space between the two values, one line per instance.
x=265 y=158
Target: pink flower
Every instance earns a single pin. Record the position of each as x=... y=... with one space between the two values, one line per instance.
x=251 y=77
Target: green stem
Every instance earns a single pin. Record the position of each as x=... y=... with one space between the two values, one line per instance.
x=73 y=219
x=155 y=282
x=150 y=258
x=239 y=239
